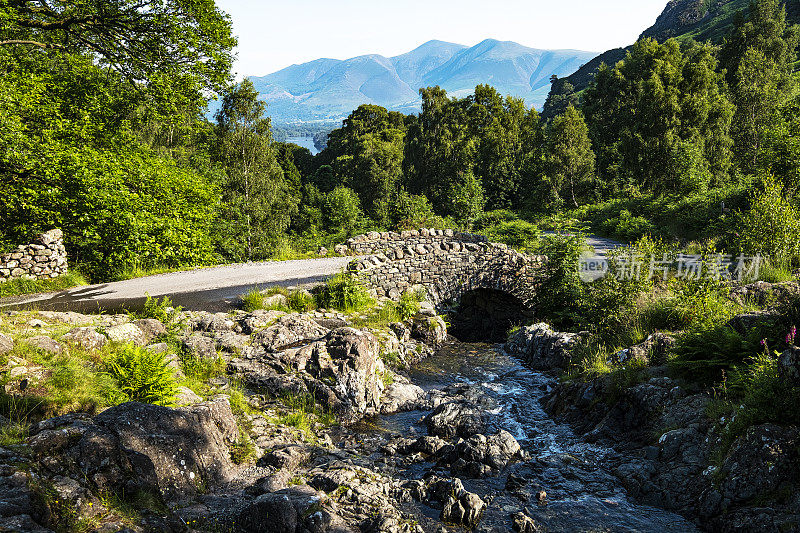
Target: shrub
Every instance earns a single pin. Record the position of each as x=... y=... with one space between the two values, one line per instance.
x=143 y=376
x=493 y=218
x=561 y=289
x=627 y=227
x=771 y=226
x=518 y=234
x=161 y=310
x=300 y=301
x=346 y=293
x=253 y=300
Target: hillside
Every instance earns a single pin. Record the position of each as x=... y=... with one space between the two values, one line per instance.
x=327 y=90
x=701 y=20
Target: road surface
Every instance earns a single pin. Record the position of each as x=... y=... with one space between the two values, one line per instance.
x=210 y=289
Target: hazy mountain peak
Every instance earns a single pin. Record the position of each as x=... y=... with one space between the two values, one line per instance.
x=329 y=89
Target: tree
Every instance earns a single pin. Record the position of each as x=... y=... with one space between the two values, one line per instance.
x=657 y=105
x=138 y=38
x=257 y=200
x=570 y=159
x=343 y=210
x=758 y=57
x=466 y=198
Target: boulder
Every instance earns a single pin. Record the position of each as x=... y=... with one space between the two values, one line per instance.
x=87 y=338
x=174 y=453
x=289 y=330
x=456 y=419
x=482 y=456
x=151 y=328
x=260 y=319
x=46 y=344
x=295 y=509
x=430 y=330
x=789 y=366
x=401 y=395
x=542 y=348
x=522 y=523
x=127 y=333
x=275 y=301
x=6 y=344
x=200 y=346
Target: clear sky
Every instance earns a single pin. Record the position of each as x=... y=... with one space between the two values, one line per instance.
x=275 y=34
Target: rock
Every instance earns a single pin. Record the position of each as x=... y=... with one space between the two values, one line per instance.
x=200 y=346
x=651 y=352
x=340 y=249
x=67 y=317
x=401 y=395
x=289 y=457
x=127 y=333
x=763 y=320
x=354 y=364
x=429 y=330
x=456 y=419
x=46 y=344
x=232 y=342
x=6 y=344
x=522 y=523
x=275 y=301
x=151 y=328
x=217 y=322
x=296 y=509
x=465 y=510
x=289 y=330
x=482 y=456
x=788 y=366
x=174 y=453
x=87 y=338
x=744 y=475
x=260 y=319
x=49 y=237
x=159 y=347
x=186 y=396
x=541 y=347
x=322 y=252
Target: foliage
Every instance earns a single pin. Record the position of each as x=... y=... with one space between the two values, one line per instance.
x=159 y=309
x=771 y=227
x=346 y=293
x=142 y=375
x=518 y=234
x=561 y=287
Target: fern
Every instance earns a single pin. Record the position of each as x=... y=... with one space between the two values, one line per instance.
x=143 y=376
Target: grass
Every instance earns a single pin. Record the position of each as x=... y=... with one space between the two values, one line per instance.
x=303 y=413
x=345 y=292
x=294 y=300
x=18 y=287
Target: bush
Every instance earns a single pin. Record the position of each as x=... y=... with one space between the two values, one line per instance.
x=561 y=290
x=161 y=310
x=301 y=301
x=627 y=227
x=518 y=234
x=143 y=376
x=771 y=226
x=346 y=293
x=253 y=300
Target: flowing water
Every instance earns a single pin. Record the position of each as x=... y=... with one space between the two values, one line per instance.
x=582 y=495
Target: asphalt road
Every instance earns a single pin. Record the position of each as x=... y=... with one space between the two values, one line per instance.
x=210 y=289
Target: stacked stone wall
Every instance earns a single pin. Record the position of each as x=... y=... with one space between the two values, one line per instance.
x=446 y=264
x=375 y=242
x=44 y=258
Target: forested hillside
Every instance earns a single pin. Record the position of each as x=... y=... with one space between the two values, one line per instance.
x=699 y=20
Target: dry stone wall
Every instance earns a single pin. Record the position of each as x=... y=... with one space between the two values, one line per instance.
x=44 y=258
x=447 y=264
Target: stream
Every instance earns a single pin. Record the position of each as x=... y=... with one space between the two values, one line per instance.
x=582 y=495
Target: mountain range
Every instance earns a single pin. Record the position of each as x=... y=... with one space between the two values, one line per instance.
x=327 y=90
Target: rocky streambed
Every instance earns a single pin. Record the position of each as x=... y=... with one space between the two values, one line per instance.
x=408 y=431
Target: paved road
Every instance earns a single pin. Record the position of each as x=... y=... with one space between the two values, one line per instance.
x=211 y=289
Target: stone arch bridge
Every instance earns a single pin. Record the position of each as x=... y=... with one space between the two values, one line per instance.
x=448 y=264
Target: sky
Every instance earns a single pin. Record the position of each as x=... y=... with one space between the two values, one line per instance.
x=276 y=34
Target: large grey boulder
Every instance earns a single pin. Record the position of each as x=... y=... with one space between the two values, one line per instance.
x=174 y=453
x=6 y=344
x=456 y=419
x=789 y=366
x=542 y=348
x=87 y=338
x=127 y=333
x=289 y=330
x=482 y=456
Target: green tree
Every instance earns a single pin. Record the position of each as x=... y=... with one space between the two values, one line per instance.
x=343 y=210
x=570 y=159
x=141 y=39
x=653 y=110
x=758 y=57
x=771 y=226
x=257 y=201
x=466 y=198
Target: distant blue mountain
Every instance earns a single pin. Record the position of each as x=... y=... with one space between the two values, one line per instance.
x=327 y=90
